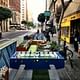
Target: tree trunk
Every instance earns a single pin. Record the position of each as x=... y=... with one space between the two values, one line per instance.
x=6 y=25
x=42 y=25
x=61 y=17
x=1 y=26
x=1 y=29
x=59 y=25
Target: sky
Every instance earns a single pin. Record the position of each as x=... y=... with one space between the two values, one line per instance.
x=36 y=7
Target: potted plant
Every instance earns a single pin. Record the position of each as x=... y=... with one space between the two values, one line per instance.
x=54 y=46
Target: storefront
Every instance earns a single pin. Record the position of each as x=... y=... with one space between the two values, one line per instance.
x=70 y=22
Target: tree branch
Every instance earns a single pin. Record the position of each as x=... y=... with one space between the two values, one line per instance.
x=67 y=4
x=64 y=7
x=55 y=1
x=62 y=2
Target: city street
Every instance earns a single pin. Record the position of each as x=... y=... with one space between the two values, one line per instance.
x=66 y=73
x=14 y=34
x=39 y=39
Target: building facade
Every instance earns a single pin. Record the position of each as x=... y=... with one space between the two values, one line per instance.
x=23 y=10
x=71 y=19
x=54 y=11
x=4 y=3
x=4 y=24
x=14 y=5
x=30 y=19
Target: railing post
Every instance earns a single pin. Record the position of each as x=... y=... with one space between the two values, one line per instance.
x=64 y=49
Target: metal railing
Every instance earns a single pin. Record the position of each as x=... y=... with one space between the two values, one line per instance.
x=68 y=54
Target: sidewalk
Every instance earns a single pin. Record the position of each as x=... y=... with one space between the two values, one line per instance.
x=70 y=46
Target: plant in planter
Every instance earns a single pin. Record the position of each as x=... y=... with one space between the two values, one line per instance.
x=54 y=46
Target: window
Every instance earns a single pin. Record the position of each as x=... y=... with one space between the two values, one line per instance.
x=65 y=31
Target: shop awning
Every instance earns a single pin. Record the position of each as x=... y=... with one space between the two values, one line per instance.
x=72 y=8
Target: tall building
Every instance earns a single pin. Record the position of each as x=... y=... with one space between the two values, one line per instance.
x=30 y=19
x=4 y=27
x=4 y=3
x=14 y=5
x=23 y=10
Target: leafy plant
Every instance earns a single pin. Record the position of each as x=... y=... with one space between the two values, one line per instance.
x=30 y=23
x=54 y=46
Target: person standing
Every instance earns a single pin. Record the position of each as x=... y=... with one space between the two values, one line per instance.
x=39 y=36
x=76 y=36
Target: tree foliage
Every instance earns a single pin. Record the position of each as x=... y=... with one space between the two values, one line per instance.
x=41 y=17
x=5 y=13
x=30 y=24
x=47 y=18
x=24 y=22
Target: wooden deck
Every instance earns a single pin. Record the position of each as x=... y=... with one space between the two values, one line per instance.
x=69 y=73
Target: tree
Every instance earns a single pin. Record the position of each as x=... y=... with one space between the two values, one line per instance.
x=62 y=10
x=24 y=22
x=64 y=7
x=5 y=13
x=30 y=24
x=47 y=18
x=41 y=18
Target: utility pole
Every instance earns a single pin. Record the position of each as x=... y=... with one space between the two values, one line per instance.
x=46 y=6
x=45 y=17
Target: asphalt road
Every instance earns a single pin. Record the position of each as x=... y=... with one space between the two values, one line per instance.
x=13 y=34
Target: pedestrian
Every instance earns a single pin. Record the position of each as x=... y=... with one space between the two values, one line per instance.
x=79 y=46
x=35 y=35
x=39 y=36
x=52 y=30
x=47 y=35
x=76 y=36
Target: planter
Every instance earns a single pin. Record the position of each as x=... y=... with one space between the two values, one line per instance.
x=52 y=49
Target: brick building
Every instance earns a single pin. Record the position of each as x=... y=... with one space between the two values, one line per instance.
x=14 y=5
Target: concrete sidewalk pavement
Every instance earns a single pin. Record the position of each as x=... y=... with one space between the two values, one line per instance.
x=70 y=46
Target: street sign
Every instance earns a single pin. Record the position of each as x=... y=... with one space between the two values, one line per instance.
x=47 y=13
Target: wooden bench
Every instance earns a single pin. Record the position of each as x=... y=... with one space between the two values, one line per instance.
x=18 y=74
x=53 y=73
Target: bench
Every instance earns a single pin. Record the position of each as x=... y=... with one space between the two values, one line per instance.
x=53 y=73
x=20 y=71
